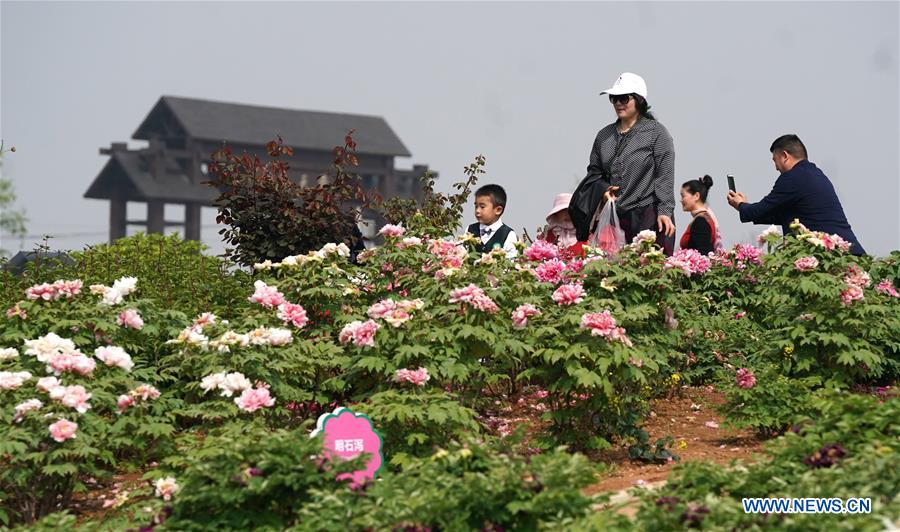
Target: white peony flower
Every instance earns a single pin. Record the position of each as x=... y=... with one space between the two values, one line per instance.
x=234 y=382
x=212 y=382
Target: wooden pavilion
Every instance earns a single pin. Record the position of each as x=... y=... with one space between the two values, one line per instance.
x=182 y=133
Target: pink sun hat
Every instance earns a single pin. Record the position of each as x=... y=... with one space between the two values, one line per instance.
x=560 y=203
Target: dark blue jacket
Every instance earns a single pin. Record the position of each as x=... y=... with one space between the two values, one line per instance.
x=805 y=193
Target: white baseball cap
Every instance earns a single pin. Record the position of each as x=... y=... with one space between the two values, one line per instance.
x=628 y=83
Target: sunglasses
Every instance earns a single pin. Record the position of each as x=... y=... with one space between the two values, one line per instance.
x=620 y=98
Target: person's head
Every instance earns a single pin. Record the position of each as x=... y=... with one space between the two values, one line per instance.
x=628 y=97
x=560 y=218
x=490 y=203
x=694 y=192
x=787 y=150
x=559 y=214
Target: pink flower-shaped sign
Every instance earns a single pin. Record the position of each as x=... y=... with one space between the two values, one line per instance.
x=347 y=435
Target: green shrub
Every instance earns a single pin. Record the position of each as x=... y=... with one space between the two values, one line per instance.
x=841 y=339
x=39 y=475
x=475 y=486
x=173 y=272
x=769 y=405
x=862 y=429
x=414 y=422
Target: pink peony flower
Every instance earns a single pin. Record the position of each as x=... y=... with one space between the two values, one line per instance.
x=551 y=271
x=57 y=392
x=522 y=313
x=52 y=292
x=418 y=377
x=690 y=261
x=740 y=315
x=475 y=297
x=603 y=324
x=851 y=294
x=381 y=309
x=68 y=289
x=293 y=314
x=45 y=291
x=12 y=380
x=16 y=311
x=45 y=384
x=833 y=242
x=124 y=402
x=145 y=392
x=392 y=230
x=207 y=318
x=397 y=317
x=253 y=399
x=130 y=318
x=575 y=265
x=646 y=235
x=721 y=258
x=541 y=250
x=569 y=294
x=886 y=287
x=166 y=487
x=362 y=334
x=451 y=255
x=747 y=253
x=83 y=365
x=466 y=294
x=856 y=276
x=485 y=304
x=24 y=408
x=63 y=430
x=114 y=356
x=76 y=397
x=265 y=295
x=806 y=264
x=72 y=361
x=408 y=242
x=745 y=378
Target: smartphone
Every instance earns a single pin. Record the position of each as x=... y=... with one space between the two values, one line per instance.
x=731 y=183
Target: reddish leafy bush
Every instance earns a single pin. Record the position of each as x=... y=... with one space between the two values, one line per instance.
x=269 y=216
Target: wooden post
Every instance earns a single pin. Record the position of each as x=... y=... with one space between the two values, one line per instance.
x=118 y=210
x=192 y=210
x=155 y=219
x=389 y=187
x=192 y=221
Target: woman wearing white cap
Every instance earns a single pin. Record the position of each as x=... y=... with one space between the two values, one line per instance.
x=633 y=162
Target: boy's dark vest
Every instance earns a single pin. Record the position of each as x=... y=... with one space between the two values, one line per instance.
x=497 y=239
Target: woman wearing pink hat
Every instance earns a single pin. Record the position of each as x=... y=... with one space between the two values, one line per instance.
x=633 y=162
x=560 y=230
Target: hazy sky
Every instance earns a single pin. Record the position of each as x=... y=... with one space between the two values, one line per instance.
x=517 y=82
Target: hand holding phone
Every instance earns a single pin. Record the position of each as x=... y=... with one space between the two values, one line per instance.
x=731 y=183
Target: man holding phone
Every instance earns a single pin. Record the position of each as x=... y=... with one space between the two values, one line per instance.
x=802 y=191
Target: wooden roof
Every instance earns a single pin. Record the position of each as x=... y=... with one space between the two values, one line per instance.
x=126 y=175
x=241 y=124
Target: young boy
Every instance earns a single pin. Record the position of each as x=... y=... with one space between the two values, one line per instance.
x=490 y=203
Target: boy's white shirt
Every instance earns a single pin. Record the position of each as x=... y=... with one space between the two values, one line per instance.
x=509 y=246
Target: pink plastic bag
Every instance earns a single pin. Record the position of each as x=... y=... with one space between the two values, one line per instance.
x=608 y=235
